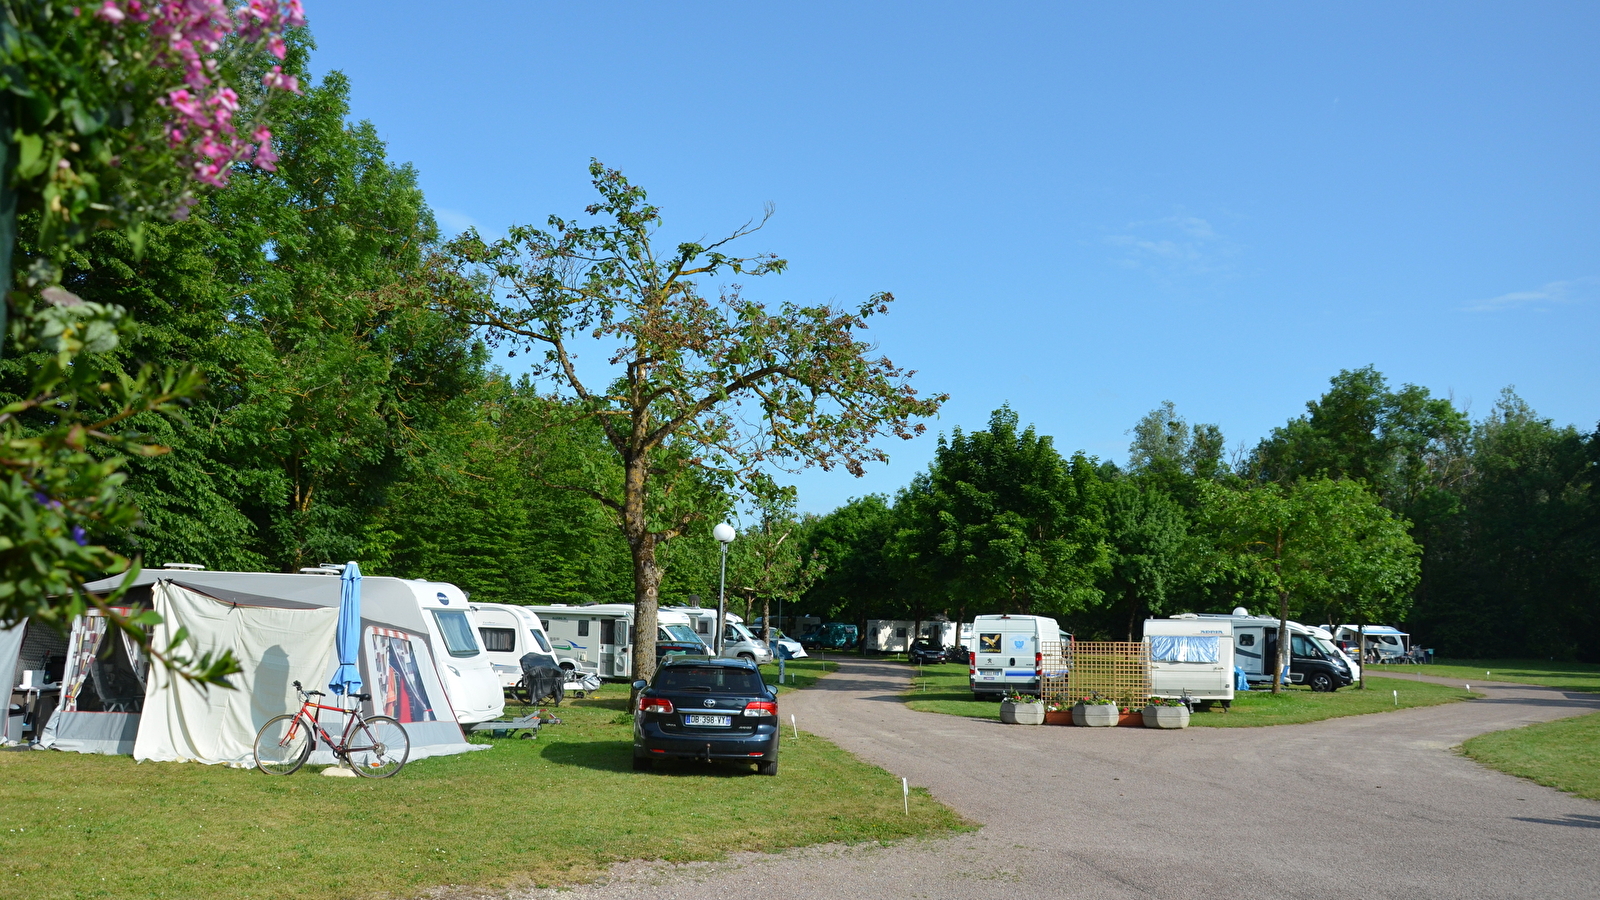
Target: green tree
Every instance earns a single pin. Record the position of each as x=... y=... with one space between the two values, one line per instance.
x=858 y=575
x=1002 y=522
x=1313 y=546
x=680 y=366
x=1148 y=538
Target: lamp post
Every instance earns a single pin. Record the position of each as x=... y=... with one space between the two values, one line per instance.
x=724 y=534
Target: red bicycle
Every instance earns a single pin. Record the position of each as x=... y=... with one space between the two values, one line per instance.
x=375 y=747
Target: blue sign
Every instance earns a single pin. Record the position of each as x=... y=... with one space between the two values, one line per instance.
x=446 y=601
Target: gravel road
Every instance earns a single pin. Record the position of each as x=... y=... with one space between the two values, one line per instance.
x=1367 y=807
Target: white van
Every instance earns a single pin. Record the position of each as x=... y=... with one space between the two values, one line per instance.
x=1007 y=656
x=1383 y=642
x=1191 y=657
x=737 y=640
x=509 y=632
x=897 y=635
x=468 y=674
x=599 y=638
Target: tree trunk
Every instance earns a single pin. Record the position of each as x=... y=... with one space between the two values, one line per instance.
x=646 y=571
x=1283 y=640
x=1361 y=651
x=766 y=620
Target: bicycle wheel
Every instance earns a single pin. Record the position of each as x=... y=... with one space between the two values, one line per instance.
x=282 y=745
x=378 y=747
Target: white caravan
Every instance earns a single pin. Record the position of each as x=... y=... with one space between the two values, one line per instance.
x=468 y=675
x=1191 y=658
x=599 y=638
x=509 y=632
x=894 y=635
x=1387 y=643
x=1008 y=656
x=737 y=640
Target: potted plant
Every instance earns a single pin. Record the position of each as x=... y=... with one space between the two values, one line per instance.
x=1162 y=712
x=1057 y=713
x=1021 y=709
x=1095 y=711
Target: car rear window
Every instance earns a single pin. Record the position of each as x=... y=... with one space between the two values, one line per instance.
x=712 y=679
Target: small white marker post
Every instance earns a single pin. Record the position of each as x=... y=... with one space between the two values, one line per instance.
x=1396 y=698
x=794 y=726
x=1469 y=688
x=905 y=793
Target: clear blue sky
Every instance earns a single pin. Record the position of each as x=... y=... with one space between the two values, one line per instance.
x=1082 y=209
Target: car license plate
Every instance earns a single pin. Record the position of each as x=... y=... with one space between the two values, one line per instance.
x=988 y=674
x=700 y=719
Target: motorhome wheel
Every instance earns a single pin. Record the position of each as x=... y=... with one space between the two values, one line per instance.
x=1321 y=682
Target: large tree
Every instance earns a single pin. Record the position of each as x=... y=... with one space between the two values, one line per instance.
x=1003 y=523
x=683 y=380
x=1313 y=545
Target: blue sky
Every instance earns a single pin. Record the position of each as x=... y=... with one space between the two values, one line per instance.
x=1082 y=210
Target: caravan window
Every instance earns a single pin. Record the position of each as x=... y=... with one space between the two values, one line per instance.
x=583 y=628
x=608 y=631
x=538 y=638
x=1247 y=640
x=456 y=630
x=702 y=625
x=899 y=632
x=499 y=640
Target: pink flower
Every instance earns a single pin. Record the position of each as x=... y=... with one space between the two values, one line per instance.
x=276 y=46
x=276 y=79
x=110 y=13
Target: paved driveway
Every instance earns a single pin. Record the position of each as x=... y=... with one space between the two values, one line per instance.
x=1364 y=807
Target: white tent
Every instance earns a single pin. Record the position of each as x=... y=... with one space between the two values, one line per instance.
x=281 y=629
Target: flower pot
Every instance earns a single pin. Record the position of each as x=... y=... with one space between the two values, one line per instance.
x=1014 y=713
x=1098 y=715
x=1058 y=717
x=1130 y=719
x=1165 y=717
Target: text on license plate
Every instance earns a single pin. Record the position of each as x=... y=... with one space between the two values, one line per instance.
x=989 y=674
x=700 y=719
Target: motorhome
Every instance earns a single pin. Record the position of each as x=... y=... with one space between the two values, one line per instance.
x=1326 y=636
x=737 y=640
x=509 y=632
x=1384 y=643
x=598 y=638
x=1312 y=660
x=1191 y=658
x=1008 y=655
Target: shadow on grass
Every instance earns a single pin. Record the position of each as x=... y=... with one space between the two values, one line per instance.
x=617 y=756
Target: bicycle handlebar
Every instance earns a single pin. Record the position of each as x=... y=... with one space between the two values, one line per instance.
x=307 y=693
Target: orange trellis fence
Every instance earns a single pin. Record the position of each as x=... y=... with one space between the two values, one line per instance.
x=1116 y=670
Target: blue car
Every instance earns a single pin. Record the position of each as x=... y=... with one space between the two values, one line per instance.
x=706 y=709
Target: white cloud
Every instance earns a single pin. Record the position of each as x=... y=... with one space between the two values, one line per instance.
x=1175 y=244
x=452 y=223
x=1555 y=293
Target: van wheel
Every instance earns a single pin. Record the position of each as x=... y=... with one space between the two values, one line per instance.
x=1321 y=682
x=749 y=658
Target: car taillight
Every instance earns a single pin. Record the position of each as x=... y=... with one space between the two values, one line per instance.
x=761 y=708
x=1038 y=665
x=972 y=662
x=655 y=705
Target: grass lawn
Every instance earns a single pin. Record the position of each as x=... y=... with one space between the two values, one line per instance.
x=554 y=810
x=1567 y=676
x=944 y=689
x=1564 y=754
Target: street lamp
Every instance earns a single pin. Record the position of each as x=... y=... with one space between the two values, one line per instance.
x=724 y=534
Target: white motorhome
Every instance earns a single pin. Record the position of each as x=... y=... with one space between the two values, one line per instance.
x=509 y=632
x=737 y=640
x=895 y=635
x=1008 y=654
x=1384 y=642
x=1312 y=660
x=1191 y=658
x=599 y=638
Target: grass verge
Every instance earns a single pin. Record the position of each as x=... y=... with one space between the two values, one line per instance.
x=1564 y=754
x=1566 y=676
x=946 y=689
x=555 y=810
